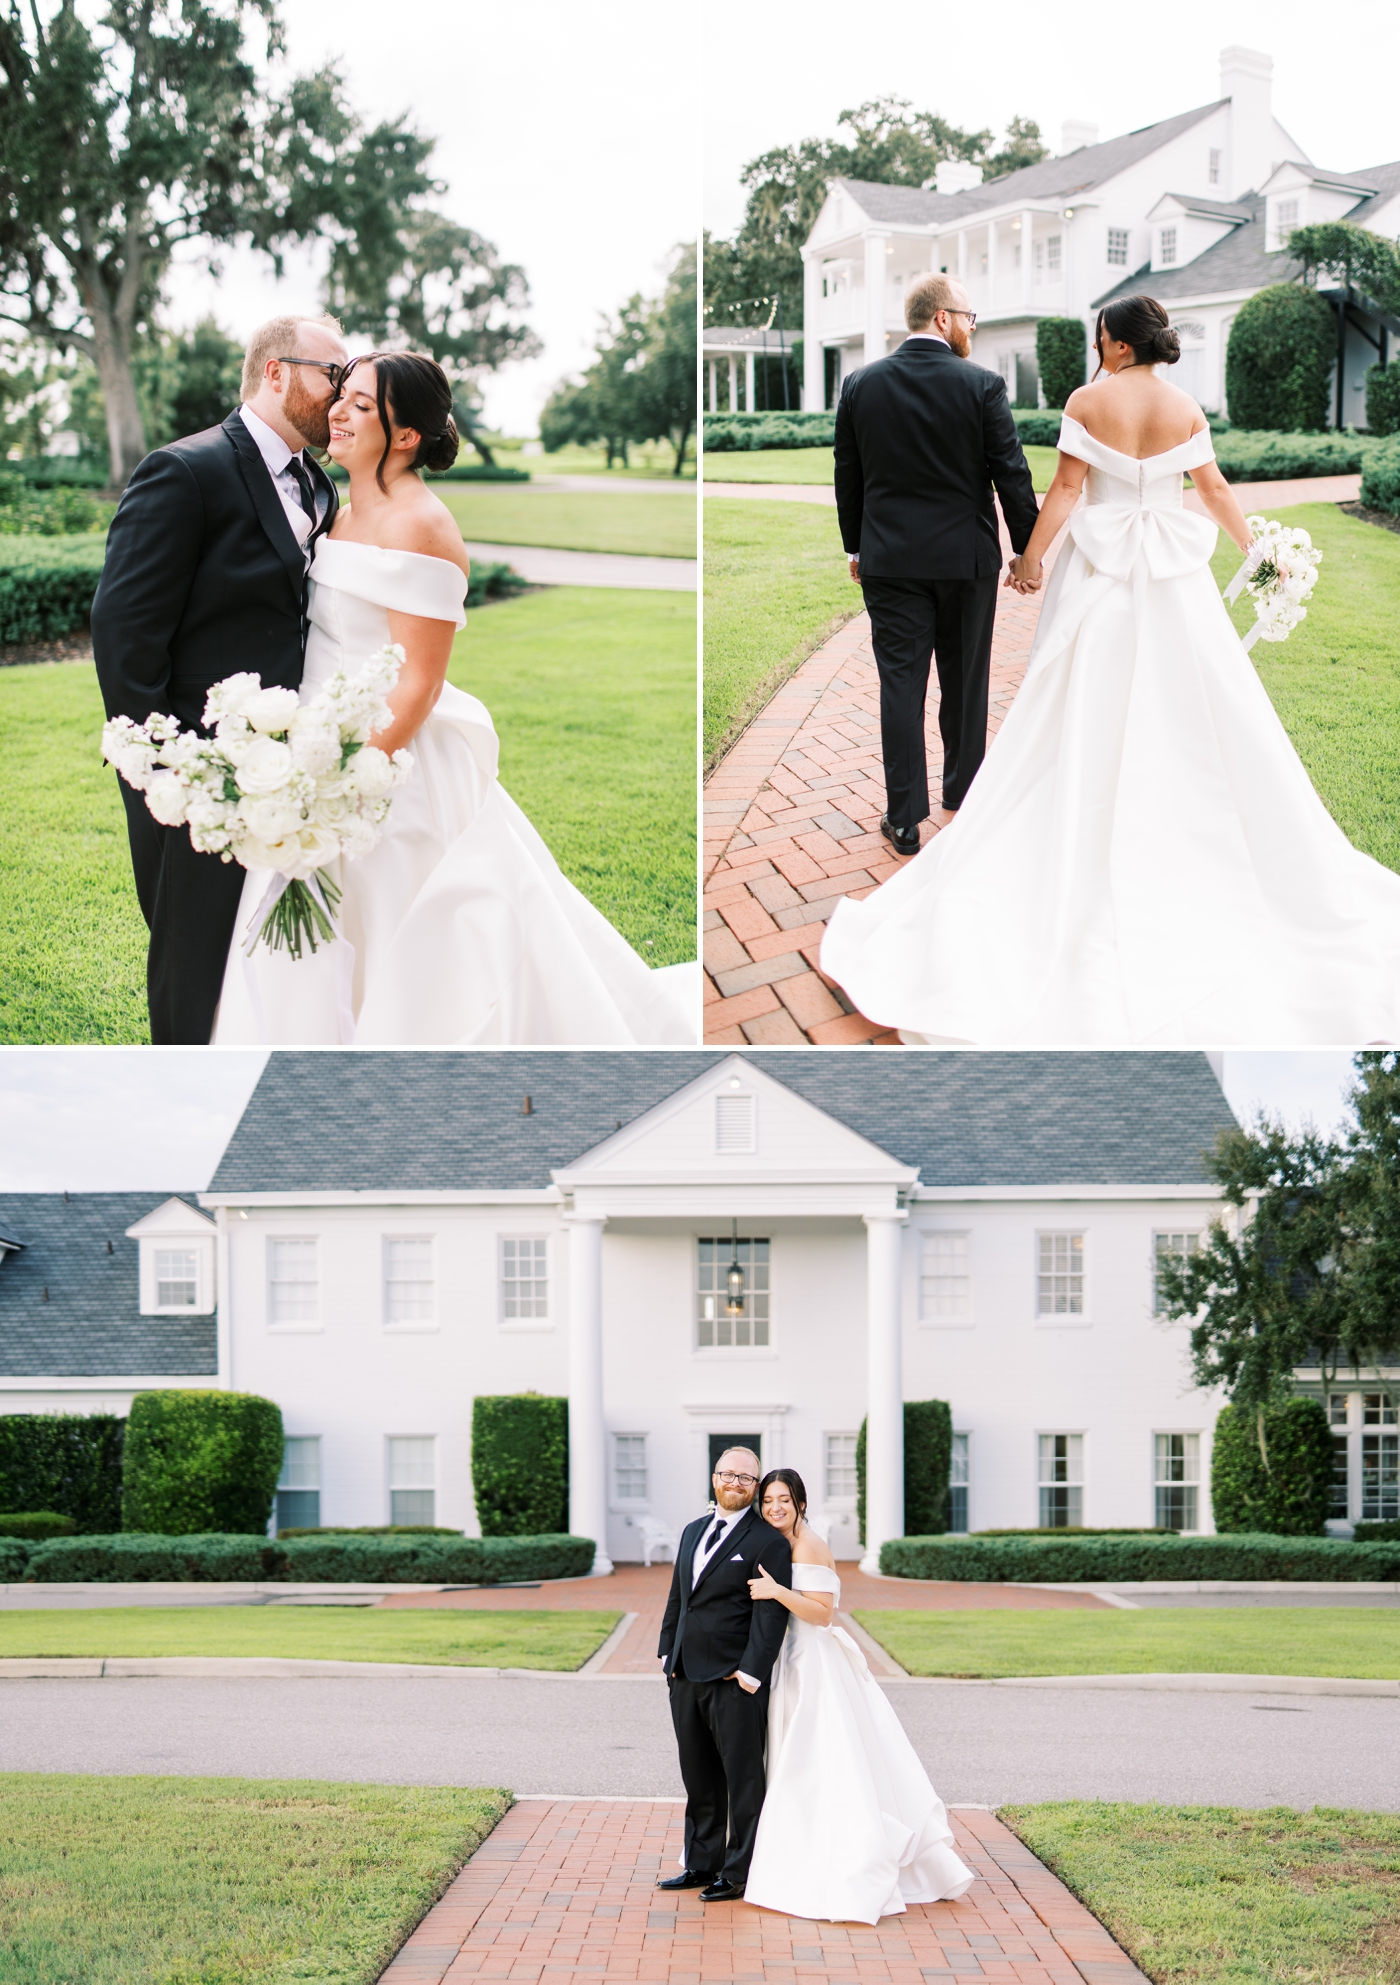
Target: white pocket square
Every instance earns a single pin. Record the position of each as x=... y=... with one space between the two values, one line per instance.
x=737 y=1559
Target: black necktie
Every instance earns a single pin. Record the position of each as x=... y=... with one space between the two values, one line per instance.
x=713 y=1538
x=304 y=488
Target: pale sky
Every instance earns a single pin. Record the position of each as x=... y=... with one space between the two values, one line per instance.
x=142 y=1119
x=568 y=136
x=1334 y=76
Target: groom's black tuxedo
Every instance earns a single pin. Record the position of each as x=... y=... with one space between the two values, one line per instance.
x=203 y=578
x=921 y=439
x=711 y=1628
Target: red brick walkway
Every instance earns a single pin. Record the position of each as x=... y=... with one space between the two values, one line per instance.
x=566 y=1889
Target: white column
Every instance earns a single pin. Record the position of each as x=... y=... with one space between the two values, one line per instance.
x=714 y=385
x=991 y=266
x=588 y=1457
x=733 y=384
x=875 y=280
x=813 y=351
x=884 y=1433
x=1027 y=258
x=748 y=383
x=962 y=256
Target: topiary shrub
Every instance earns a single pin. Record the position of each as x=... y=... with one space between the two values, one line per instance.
x=1282 y=348
x=520 y=1464
x=200 y=1461
x=928 y=1457
x=66 y=1463
x=1383 y=398
x=36 y=1524
x=1061 y=354
x=1036 y=430
x=1243 y=455
x=1380 y=477
x=1288 y=1495
x=1068 y=1560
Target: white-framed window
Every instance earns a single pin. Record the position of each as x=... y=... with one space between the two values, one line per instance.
x=293 y=1279
x=629 y=1468
x=959 y=1482
x=412 y=1478
x=1061 y=1481
x=299 y=1484
x=1214 y=172
x=715 y=1327
x=408 y=1278
x=1176 y=1476
x=839 y=1468
x=1166 y=247
x=1286 y=220
x=1060 y=1275
x=1338 y=1420
x=524 y=1278
x=945 y=1279
x=1177 y=1246
x=1380 y=1458
x=736 y=1122
x=1118 y=247
x=177 y=1278
x=1052 y=256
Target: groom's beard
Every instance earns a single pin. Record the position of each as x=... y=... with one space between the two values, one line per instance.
x=959 y=341
x=311 y=418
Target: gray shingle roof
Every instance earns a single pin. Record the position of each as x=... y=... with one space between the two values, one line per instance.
x=1051 y=179
x=1386 y=180
x=1226 y=210
x=442 y=1122
x=91 y=1324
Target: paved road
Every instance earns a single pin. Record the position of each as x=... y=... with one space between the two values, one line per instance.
x=543 y=567
x=982 y=1746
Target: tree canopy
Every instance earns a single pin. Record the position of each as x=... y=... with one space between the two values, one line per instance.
x=1351 y=255
x=641 y=385
x=885 y=141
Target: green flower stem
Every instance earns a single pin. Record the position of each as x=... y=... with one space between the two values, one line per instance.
x=299 y=915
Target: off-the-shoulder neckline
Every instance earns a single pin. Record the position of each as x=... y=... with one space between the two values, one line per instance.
x=384 y=551
x=1136 y=460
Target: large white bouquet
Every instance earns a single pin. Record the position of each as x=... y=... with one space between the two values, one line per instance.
x=1280 y=570
x=282 y=785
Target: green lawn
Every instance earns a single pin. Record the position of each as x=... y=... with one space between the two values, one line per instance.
x=593 y=692
x=814 y=465
x=575 y=520
x=1243 y=1640
x=775 y=586
x=222 y=1881
x=450 y=1637
x=647 y=461
x=1335 y=682
x=1203 y=1895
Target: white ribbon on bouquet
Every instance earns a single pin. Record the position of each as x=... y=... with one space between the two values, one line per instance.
x=1233 y=591
x=344 y=958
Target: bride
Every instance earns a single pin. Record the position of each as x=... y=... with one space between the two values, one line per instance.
x=851 y=1830
x=458 y=927
x=1142 y=859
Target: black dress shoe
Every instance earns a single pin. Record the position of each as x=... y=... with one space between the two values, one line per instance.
x=686 y=1881
x=722 y=1891
x=904 y=840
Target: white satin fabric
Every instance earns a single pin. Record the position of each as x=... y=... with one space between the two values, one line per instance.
x=461 y=929
x=1142 y=859
x=851 y=1830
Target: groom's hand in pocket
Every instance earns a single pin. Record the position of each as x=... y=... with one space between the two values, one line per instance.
x=746 y=1682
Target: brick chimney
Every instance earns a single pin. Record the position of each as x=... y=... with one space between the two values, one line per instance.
x=1074 y=132
x=1246 y=78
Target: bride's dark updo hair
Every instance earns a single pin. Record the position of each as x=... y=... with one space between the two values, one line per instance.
x=1139 y=321
x=792 y=1482
x=412 y=390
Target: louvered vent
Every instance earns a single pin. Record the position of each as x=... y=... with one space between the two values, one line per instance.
x=734 y=1124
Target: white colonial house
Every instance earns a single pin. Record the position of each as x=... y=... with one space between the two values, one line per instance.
x=1195 y=210
x=697 y=1250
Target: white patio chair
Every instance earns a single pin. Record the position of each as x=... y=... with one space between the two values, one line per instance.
x=656 y=1536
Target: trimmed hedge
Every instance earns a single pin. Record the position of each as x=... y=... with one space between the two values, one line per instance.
x=1380 y=478
x=373 y=1530
x=1037 y=430
x=338 y=1559
x=1061 y=354
x=58 y=471
x=459 y=472
x=1376 y=1533
x=14 y=1560
x=1080 y=1530
x=34 y=1525
x=735 y=433
x=1290 y=1497
x=493 y=582
x=1383 y=398
x=49 y=511
x=69 y=1464
x=520 y=1464
x=1255 y=456
x=1278 y=362
x=200 y=1461
x=44 y=597
x=1069 y=1560
x=928 y=1457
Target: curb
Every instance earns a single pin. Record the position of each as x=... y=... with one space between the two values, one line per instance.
x=1270 y=1685
x=129 y=1667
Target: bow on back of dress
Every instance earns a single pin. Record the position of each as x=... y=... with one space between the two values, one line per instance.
x=1132 y=517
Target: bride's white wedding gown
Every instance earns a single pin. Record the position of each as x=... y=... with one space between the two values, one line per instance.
x=851 y=1830
x=1142 y=859
x=460 y=927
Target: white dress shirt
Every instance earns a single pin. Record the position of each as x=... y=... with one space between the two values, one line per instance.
x=703 y=1555
x=277 y=455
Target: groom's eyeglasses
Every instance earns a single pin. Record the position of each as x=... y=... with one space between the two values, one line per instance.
x=335 y=373
x=728 y=1477
x=970 y=315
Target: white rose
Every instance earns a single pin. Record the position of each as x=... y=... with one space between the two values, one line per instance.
x=319 y=845
x=263 y=765
x=372 y=772
x=271 y=709
x=283 y=854
x=271 y=818
x=166 y=797
x=228 y=698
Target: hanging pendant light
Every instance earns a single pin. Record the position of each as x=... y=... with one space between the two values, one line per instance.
x=734 y=1280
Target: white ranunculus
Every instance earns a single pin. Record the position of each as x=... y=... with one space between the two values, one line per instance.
x=262 y=764
x=271 y=709
x=272 y=817
x=166 y=797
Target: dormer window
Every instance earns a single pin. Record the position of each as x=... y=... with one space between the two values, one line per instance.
x=1214 y=174
x=177 y=1278
x=735 y=1123
x=176 y=1253
x=1287 y=218
x=1166 y=250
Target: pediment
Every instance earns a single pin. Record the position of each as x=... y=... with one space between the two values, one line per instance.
x=173 y=1216
x=735 y=1122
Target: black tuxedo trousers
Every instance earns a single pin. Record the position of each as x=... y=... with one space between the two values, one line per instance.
x=913 y=621
x=720 y=1734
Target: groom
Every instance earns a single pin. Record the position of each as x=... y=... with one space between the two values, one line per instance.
x=921 y=438
x=719 y=1646
x=205 y=576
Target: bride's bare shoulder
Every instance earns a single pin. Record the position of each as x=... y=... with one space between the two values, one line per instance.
x=425 y=525
x=810 y=1549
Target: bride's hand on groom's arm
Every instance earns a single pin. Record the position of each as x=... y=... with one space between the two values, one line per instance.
x=765 y=1586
